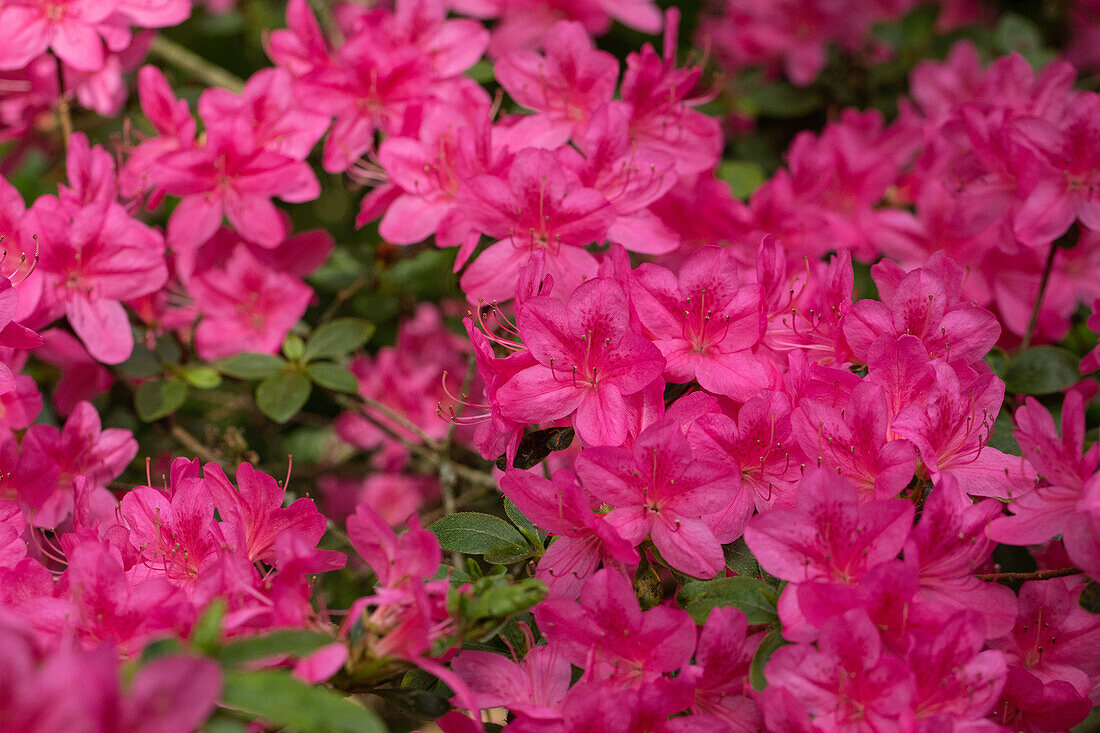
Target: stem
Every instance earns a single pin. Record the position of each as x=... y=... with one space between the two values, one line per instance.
x=1034 y=320
x=191 y=443
x=343 y=296
x=448 y=479
x=64 y=112
x=1036 y=575
x=400 y=419
x=195 y=65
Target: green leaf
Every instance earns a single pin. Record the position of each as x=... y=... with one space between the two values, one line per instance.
x=1090 y=597
x=157 y=399
x=509 y=554
x=740 y=559
x=536 y=445
x=293 y=347
x=754 y=597
x=142 y=363
x=201 y=376
x=474 y=533
x=743 y=176
x=1002 y=438
x=291 y=642
x=287 y=702
x=250 y=366
x=771 y=641
x=338 y=337
x=520 y=520
x=1042 y=370
x=783 y=100
x=208 y=631
x=281 y=396
x=332 y=376
x=495 y=597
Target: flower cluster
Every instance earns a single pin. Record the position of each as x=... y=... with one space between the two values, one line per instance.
x=820 y=458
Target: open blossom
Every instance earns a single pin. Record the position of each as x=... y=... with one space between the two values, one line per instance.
x=584 y=538
x=655 y=489
x=539 y=205
x=588 y=362
x=704 y=322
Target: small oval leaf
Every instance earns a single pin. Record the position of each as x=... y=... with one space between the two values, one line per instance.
x=287 y=702
x=338 y=337
x=474 y=533
x=332 y=376
x=250 y=366
x=1042 y=370
x=755 y=598
x=160 y=398
x=282 y=395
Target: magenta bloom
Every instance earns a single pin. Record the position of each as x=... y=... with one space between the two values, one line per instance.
x=831 y=534
x=704 y=322
x=926 y=303
x=1066 y=501
x=588 y=362
x=541 y=205
x=246 y=306
x=52 y=459
x=951 y=427
x=94 y=255
x=583 y=539
x=1069 y=186
x=231 y=176
x=757 y=444
x=658 y=491
x=854 y=439
x=848 y=682
x=608 y=634
x=565 y=86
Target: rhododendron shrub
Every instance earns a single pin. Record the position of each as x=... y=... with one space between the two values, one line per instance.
x=479 y=365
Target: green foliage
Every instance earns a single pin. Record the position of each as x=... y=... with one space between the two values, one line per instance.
x=159 y=398
x=338 y=338
x=1090 y=597
x=771 y=641
x=287 y=702
x=290 y=642
x=536 y=445
x=1042 y=370
x=474 y=533
x=282 y=395
x=754 y=597
x=250 y=366
x=332 y=376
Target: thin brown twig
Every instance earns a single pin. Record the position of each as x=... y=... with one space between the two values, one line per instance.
x=195 y=65
x=344 y=296
x=401 y=420
x=193 y=444
x=1036 y=575
x=1033 y=321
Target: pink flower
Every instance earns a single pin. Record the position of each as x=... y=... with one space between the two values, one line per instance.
x=1063 y=502
x=588 y=362
x=757 y=444
x=231 y=175
x=533 y=688
x=245 y=307
x=951 y=427
x=94 y=255
x=848 y=682
x=705 y=322
x=1069 y=186
x=255 y=511
x=583 y=538
x=926 y=303
x=52 y=459
x=831 y=533
x=720 y=673
x=565 y=86
x=656 y=490
x=609 y=635
x=854 y=439
x=541 y=205
x=948 y=545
